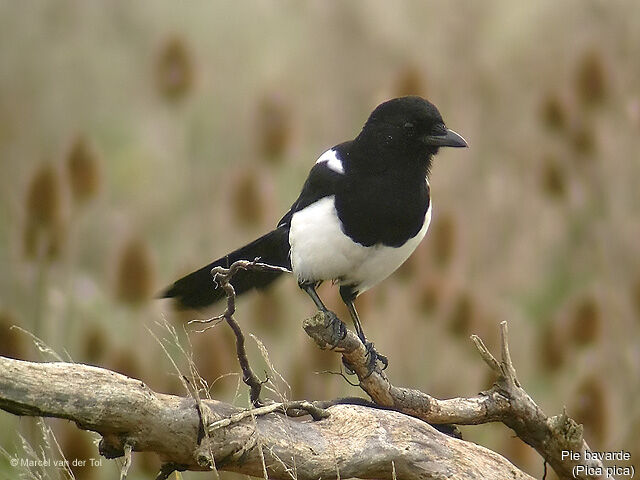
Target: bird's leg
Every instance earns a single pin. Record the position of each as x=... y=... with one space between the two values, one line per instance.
x=356 y=321
x=348 y=296
x=331 y=319
x=310 y=289
x=374 y=356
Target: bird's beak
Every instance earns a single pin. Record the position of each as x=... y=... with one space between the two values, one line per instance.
x=449 y=139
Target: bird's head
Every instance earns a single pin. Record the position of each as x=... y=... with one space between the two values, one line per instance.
x=410 y=127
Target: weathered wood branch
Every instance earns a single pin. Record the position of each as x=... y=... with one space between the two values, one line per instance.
x=506 y=402
x=353 y=441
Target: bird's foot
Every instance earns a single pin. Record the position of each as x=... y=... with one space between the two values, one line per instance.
x=339 y=329
x=372 y=357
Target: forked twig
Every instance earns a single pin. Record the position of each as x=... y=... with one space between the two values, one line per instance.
x=222 y=276
x=291 y=409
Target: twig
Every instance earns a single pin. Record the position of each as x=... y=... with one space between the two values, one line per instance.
x=291 y=409
x=127 y=461
x=223 y=277
x=504 y=369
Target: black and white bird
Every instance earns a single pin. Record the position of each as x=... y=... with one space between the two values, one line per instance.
x=362 y=211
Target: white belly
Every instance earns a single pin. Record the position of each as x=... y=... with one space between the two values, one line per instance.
x=321 y=251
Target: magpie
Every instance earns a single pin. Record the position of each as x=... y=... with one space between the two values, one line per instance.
x=362 y=211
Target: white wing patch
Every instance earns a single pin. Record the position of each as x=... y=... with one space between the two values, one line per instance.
x=332 y=160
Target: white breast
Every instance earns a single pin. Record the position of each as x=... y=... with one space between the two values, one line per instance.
x=321 y=251
x=382 y=261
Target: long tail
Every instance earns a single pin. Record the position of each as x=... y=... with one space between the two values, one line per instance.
x=198 y=288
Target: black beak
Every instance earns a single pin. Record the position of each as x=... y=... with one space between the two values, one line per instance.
x=449 y=139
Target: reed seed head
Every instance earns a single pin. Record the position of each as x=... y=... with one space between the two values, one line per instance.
x=174 y=69
x=591 y=78
x=274 y=127
x=135 y=272
x=83 y=170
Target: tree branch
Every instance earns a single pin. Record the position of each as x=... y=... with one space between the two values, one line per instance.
x=353 y=441
x=506 y=402
x=346 y=440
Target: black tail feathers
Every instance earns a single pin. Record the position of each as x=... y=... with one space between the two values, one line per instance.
x=198 y=289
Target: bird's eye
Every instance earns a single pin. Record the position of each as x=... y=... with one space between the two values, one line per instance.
x=408 y=125
x=439 y=129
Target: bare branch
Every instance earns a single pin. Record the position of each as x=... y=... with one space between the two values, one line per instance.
x=292 y=409
x=505 y=402
x=354 y=440
x=486 y=355
x=347 y=439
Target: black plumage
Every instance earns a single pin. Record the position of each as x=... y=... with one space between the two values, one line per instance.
x=198 y=289
x=363 y=209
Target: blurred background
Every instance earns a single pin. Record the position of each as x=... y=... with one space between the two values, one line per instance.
x=140 y=140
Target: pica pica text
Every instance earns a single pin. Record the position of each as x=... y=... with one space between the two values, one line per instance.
x=362 y=211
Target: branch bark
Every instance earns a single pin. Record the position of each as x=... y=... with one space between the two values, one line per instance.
x=506 y=402
x=353 y=441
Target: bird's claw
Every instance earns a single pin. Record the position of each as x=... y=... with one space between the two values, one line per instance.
x=372 y=357
x=339 y=329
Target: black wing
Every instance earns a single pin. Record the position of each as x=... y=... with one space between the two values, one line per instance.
x=198 y=289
